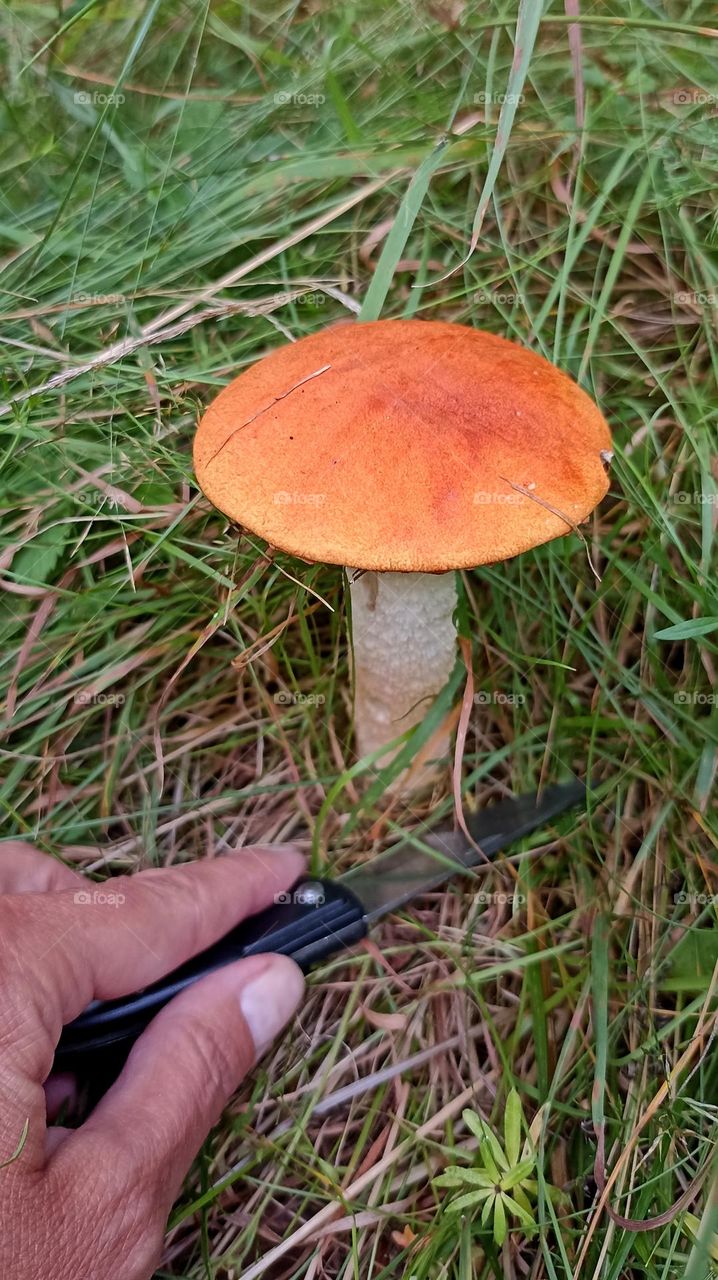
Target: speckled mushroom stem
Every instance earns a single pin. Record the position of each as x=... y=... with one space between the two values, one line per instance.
x=404 y=650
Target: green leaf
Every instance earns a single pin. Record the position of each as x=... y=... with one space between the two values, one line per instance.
x=473 y=1123
x=500 y=1224
x=557 y=1197
x=492 y=1144
x=478 y=1178
x=524 y=1216
x=466 y=1202
x=527 y=25
x=453 y=1176
x=686 y=630
x=692 y=1227
x=252 y=48
x=36 y=562
x=16 y=235
x=490 y=1165
x=520 y=1196
x=490 y=1150
x=352 y=132
x=517 y=1175
x=486 y=1211
x=693 y=960
x=396 y=240
x=512 y=1126
x=153 y=493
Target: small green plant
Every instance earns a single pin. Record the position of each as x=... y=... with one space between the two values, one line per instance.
x=502 y=1179
x=692 y=1228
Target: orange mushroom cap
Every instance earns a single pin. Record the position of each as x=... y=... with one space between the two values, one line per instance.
x=408 y=445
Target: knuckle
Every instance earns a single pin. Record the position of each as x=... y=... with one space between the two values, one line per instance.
x=29 y=1013
x=19 y=849
x=36 y=957
x=160 y=890
x=19 y=934
x=14 y=918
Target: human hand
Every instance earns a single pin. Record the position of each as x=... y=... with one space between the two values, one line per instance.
x=92 y=1203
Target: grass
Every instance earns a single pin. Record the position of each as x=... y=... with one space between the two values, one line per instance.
x=183 y=188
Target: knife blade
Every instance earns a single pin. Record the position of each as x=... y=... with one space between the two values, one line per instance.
x=317 y=918
x=411 y=868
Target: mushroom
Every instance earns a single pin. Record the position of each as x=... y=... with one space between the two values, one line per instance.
x=405 y=449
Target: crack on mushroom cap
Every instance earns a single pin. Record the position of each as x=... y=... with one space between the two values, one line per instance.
x=265 y=409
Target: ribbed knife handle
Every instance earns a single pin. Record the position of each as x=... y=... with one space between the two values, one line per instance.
x=312 y=921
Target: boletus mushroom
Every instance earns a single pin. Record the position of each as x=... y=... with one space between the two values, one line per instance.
x=403 y=450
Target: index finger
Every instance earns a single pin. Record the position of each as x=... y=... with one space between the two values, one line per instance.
x=25 y=869
x=64 y=949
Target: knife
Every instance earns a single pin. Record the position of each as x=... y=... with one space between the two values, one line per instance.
x=317 y=918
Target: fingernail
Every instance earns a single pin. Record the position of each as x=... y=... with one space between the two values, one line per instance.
x=269 y=1000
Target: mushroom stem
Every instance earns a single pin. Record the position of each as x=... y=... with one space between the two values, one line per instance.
x=404 y=650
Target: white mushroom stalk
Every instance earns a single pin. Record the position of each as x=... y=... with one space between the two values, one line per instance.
x=404 y=650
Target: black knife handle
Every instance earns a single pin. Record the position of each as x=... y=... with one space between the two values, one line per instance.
x=313 y=920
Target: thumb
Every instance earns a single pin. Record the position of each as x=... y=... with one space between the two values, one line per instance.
x=184 y=1068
